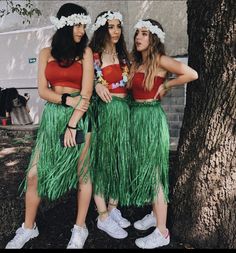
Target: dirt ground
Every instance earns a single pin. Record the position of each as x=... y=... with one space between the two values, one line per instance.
x=55 y=224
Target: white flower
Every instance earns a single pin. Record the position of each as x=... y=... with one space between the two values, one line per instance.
x=71 y=20
x=101 y=21
x=154 y=29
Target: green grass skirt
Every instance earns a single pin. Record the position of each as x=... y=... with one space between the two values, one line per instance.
x=149 y=137
x=111 y=150
x=57 y=167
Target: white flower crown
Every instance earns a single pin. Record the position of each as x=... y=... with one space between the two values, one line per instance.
x=152 y=28
x=109 y=15
x=70 y=20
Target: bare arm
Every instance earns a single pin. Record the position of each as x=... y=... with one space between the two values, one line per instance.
x=86 y=93
x=184 y=74
x=44 y=91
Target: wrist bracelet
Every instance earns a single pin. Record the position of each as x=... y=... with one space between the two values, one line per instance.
x=63 y=99
x=70 y=127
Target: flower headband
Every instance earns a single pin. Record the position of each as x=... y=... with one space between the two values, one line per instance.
x=154 y=29
x=101 y=21
x=70 y=20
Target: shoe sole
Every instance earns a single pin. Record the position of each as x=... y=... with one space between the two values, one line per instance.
x=32 y=237
x=126 y=226
x=151 y=248
x=112 y=235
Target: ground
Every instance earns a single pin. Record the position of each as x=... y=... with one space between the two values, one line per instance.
x=54 y=222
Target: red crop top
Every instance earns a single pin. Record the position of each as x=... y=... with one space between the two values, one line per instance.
x=113 y=74
x=137 y=88
x=66 y=77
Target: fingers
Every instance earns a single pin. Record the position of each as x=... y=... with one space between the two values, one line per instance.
x=103 y=93
x=69 y=139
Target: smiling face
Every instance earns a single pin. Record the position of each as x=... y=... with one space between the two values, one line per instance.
x=78 y=32
x=142 y=40
x=114 y=29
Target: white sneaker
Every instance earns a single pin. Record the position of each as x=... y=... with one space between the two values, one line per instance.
x=146 y=222
x=111 y=228
x=23 y=235
x=154 y=240
x=117 y=217
x=78 y=237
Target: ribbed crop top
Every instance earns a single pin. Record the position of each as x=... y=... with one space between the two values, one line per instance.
x=113 y=74
x=67 y=77
x=137 y=88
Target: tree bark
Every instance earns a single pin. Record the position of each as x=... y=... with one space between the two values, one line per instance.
x=203 y=184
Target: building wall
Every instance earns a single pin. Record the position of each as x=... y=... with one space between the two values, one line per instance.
x=25 y=41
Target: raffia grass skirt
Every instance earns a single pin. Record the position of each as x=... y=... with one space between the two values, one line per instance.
x=149 y=137
x=111 y=151
x=56 y=166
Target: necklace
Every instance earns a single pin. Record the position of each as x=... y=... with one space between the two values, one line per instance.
x=112 y=54
x=101 y=80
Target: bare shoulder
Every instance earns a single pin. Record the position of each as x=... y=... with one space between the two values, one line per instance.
x=88 y=52
x=166 y=59
x=45 y=52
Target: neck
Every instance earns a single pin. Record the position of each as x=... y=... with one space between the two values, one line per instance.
x=110 y=48
x=144 y=56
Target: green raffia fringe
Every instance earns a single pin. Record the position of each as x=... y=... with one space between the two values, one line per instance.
x=111 y=150
x=150 y=152
x=57 y=167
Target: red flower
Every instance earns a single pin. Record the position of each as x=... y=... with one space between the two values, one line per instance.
x=96 y=56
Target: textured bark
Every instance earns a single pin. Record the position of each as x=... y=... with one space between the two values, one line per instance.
x=203 y=192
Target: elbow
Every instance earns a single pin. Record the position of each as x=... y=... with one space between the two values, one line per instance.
x=194 y=75
x=41 y=93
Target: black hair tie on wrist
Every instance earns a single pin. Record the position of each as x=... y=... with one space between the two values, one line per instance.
x=63 y=99
x=70 y=127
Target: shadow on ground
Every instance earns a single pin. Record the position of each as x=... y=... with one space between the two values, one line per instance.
x=56 y=221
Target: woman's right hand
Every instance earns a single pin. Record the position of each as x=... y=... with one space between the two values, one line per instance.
x=103 y=93
x=83 y=105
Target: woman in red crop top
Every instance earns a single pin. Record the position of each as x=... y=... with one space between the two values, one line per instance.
x=65 y=81
x=149 y=128
x=110 y=158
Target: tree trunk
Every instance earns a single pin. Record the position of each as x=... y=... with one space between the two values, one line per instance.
x=203 y=184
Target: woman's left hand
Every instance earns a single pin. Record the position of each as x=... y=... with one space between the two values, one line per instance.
x=161 y=92
x=69 y=138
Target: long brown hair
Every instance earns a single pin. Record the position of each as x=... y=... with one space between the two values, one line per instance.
x=155 y=50
x=101 y=36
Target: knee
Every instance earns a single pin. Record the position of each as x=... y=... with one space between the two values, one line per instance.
x=32 y=180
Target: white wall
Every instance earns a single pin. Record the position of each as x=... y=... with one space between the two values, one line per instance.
x=19 y=42
x=17 y=48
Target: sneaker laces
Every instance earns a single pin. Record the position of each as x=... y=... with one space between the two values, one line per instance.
x=77 y=237
x=112 y=224
x=151 y=238
x=21 y=233
x=116 y=214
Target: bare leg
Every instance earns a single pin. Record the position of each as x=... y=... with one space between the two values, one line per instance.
x=84 y=190
x=101 y=207
x=112 y=204
x=160 y=211
x=32 y=200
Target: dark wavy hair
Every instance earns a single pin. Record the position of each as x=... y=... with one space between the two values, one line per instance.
x=101 y=36
x=64 y=49
x=155 y=50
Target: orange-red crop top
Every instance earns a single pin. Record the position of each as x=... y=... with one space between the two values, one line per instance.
x=137 y=88
x=67 y=77
x=113 y=74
